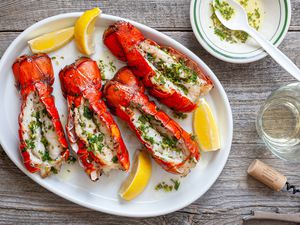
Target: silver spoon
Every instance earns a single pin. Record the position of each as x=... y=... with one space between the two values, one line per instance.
x=239 y=21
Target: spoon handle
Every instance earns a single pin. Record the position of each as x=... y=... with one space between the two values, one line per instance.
x=275 y=53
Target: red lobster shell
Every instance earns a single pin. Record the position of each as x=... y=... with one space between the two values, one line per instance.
x=171 y=146
x=172 y=77
x=91 y=129
x=42 y=141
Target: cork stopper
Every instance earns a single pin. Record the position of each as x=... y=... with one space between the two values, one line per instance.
x=267 y=175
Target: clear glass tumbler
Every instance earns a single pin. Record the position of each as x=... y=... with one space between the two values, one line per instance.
x=278 y=122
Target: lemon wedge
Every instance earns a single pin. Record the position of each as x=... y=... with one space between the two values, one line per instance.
x=51 y=41
x=205 y=128
x=138 y=178
x=84 y=29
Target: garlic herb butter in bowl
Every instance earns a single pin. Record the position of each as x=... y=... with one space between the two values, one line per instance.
x=269 y=17
x=254 y=13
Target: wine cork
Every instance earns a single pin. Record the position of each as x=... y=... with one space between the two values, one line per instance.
x=267 y=175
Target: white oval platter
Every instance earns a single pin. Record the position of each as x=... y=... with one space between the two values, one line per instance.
x=72 y=183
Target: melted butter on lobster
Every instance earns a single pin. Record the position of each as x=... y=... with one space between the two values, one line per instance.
x=172 y=77
x=42 y=141
x=171 y=146
x=91 y=129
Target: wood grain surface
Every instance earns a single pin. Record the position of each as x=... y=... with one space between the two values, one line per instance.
x=234 y=194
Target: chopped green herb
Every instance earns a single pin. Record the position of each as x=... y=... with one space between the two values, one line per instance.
x=168 y=187
x=160 y=79
x=244 y=3
x=102 y=67
x=37 y=115
x=112 y=66
x=87 y=113
x=179 y=115
x=143 y=119
x=225 y=9
x=183 y=88
x=45 y=156
x=254 y=18
x=241 y=36
x=169 y=142
x=45 y=141
x=256 y=12
x=143 y=128
x=44 y=111
x=232 y=36
x=96 y=138
x=163 y=186
x=193 y=137
x=178 y=73
x=176 y=184
x=150 y=57
x=194 y=77
x=54 y=170
x=82 y=124
x=95 y=142
x=150 y=139
x=32 y=127
x=114 y=159
x=68 y=170
x=30 y=144
x=53 y=57
x=71 y=159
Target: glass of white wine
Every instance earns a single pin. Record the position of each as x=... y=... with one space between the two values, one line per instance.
x=278 y=122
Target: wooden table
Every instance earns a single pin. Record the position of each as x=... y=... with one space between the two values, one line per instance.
x=234 y=194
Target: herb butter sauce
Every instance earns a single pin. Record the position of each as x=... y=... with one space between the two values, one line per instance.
x=254 y=12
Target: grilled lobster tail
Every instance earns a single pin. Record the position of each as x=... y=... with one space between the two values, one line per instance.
x=92 y=132
x=172 y=77
x=171 y=146
x=42 y=141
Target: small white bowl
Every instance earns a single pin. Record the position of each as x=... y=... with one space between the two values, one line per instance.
x=274 y=26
